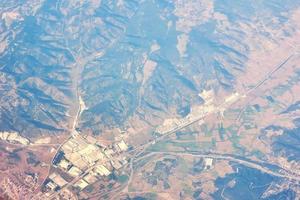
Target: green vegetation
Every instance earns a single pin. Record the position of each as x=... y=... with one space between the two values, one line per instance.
x=159 y=146
x=164 y=146
x=143 y=162
x=122 y=179
x=110 y=186
x=32 y=159
x=191 y=146
x=181 y=146
x=89 y=189
x=214 y=142
x=236 y=145
x=13 y=157
x=258 y=154
x=233 y=129
x=222 y=131
x=182 y=166
x=131 y=188
x=151 y=196
x=187 y=189
x=249 y=126
x=235 y=140
x=232 y=113
x=206 y=130
x=185 y=136
x=280 y=90
x=161 y=172
x=238 y=148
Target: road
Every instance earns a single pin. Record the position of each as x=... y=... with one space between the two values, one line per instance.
x=219 y=108
x=248 y=163
x=77 y=69
x=268 y=76
x=141 y=149
x=55 y=194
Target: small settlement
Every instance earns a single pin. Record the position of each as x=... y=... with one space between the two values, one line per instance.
x=13 y=137
x=198 y=112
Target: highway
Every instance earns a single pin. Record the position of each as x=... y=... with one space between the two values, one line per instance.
x=248 y=163
x=141 y=149
x=268 y=76
x=218 y=108
x=138 y=151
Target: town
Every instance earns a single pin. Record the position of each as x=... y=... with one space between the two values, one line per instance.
x=82 y=161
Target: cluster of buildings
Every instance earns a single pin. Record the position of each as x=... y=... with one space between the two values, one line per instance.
x=232 y=98
x=207 y=96
x=14 y=137
x=208 y=163
x=197 y=112
x=56 y=181
x=87 y=160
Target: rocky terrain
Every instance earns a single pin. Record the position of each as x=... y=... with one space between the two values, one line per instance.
x=127 y=59
x=127 y=65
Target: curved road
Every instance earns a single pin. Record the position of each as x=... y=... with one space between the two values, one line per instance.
x=231 y=158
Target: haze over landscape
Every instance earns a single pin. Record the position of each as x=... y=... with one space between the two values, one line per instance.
x=150 y=99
